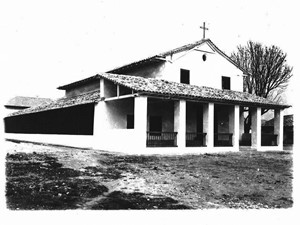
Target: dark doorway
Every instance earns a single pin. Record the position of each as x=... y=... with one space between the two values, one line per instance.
x=155 y=124
x=130 y=122
x=199 y=120
x=222 y=137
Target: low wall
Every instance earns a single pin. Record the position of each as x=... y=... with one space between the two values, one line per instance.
x=269 y=148
x=187 y=150
x=116 y=140
x=81 y=141
x=119 y=140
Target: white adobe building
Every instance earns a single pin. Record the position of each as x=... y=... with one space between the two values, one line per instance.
x=187 y=100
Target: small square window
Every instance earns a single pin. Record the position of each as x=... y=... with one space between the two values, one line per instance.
x=184 y=76
x=226 y=83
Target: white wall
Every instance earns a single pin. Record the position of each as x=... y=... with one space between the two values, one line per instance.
x=117 y=112
x=118 y=141
x=82 y=141
x=91 y=86
x=204 y=73
x=112 y=114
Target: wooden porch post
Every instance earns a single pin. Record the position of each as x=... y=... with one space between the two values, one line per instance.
x=102 y=88
x=278 y=127
x=256 y=128
x=241 y=122
x=234 y=117
x=180 y=122
x=140 y=121
x=208 y=123
x=236 y=131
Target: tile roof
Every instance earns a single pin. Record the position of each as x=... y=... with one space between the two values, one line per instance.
x=156 y=58
x=162 y=55
x=174 y=89
x=158 y=87
x=86 y=98
x=22 y=101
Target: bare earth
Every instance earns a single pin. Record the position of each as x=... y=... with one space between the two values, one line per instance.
x=51 y=177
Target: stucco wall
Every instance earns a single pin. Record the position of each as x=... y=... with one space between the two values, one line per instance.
x=110 y=89
x=117 y=111
x=82 y=141
x=91 y=86
x=154 y=70
x=202 y=73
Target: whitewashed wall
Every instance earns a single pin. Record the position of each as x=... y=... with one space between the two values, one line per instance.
x=81 y=141
x=203 y=73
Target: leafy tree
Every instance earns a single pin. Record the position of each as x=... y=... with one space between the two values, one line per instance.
x=266 y=68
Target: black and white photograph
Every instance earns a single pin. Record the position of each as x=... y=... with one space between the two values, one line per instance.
x=158 y=111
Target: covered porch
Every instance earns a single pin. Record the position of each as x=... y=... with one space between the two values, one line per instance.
x=169 y=115
x=189 y=124
x=258 y=137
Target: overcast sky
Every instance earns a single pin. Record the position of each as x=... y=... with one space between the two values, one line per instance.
x=45 y=44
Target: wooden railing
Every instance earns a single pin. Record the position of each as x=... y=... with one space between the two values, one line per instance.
x=223 y=139
x=194 y=139
x=246 y=139
x=268 y=139
x=161 y=139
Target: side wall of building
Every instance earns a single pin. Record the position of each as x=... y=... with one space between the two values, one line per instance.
x=91 y=86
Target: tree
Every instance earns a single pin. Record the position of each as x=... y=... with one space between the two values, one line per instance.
x=266 y=68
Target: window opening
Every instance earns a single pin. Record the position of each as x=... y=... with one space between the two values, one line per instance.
x=184 y=76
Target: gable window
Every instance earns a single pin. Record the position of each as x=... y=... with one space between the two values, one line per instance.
x=226 y=83
x=184 y=76
x=130 y=121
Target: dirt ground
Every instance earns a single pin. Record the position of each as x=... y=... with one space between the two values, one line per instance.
x=49 y=177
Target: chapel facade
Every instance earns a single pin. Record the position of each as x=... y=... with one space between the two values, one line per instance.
x=186 y=100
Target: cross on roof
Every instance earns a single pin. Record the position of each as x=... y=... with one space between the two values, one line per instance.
x=204 y=28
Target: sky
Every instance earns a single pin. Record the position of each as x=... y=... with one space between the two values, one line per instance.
x=46 y=44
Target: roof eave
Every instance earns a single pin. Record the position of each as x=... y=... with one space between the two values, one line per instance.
x=150 y=60
x=216 y=100
x=77 y=83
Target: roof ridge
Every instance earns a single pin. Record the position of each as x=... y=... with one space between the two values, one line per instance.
x=176 y=50
x=162 y=54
